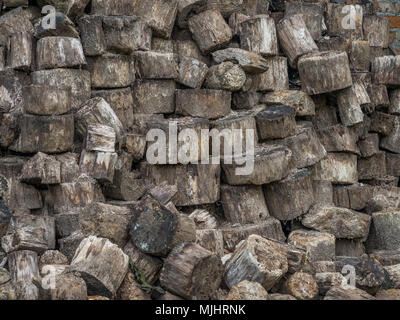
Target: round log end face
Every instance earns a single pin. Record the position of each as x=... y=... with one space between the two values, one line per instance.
x=153 y=231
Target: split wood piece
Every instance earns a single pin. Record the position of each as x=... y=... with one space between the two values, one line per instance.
x=302 y=286
x=115 y=8
x=30 y=232
x=97 y=111
x=339 y=168
x=341 y=222
x=203 y=103
x=243 y=204
x=126 y=186
x=104 y=220
x=235 y=21
x=69 y=169
x=258 y=34
x=324 y=72
x=154 y=96
x=225 y=76
x=20 y=52
x=157 y=232
x=59 y=52
x=24 y=271
x=52 y=134
x=318 y=246
x=270 y=228
x=155 y=65
x=361 y=92
x=386 y=70
x=345 y=20
x=111 y=71
x=46 y=101
x=338 y=138
x=98 y=165
x=192 y=72
x=276 y=122
x=149 y=266
x=41 y=169
x=393 y=164
x=126 y=34
x=209 y=30
x=295 y=38
x=299 y=100
x=78 y=193
x=305 y=146
x=349 y=248
x=251 y=62
x=101 y=264
x=192 y=272
x=372 y=167
x=255 y=260
x=212 y=240
x=78 y=80
x=297 y=191
x=135 y=145
x=100 y=138
x=276 y=78
x=376 y=30
x=203 y=219
x=349 y=107
x=121 y=101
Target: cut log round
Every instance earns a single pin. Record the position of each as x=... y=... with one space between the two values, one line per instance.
x=276 y=122
x=192 y=272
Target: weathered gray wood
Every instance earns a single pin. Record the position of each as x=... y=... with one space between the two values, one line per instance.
x=276 y=122
x=250 y=62
x=299 y=100
x=376 y=30
x=191 y=272
x=345 y=21
x=247 y=290
x=192 y=72
x=98 y=165
x=92 y=35
x=20 y=51
x=349 y=107
x=386 y=70
x=155 y=65
x=225 y=76
x=154 y=96
x=41 y=169
x=340 y=168
x=126 y=186
x=295 y=39
x=100 y=138
x=302 y=286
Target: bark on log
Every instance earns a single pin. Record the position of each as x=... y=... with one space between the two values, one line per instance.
x=276 y=122
x=101 y=264
x=191 y=272
x=360 y=55
x=295 y=38
x=155 y=65
x=372 y=167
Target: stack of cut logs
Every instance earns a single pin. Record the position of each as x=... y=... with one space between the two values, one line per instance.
x=84 y=214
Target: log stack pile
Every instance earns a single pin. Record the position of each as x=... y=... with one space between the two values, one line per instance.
x=85 y=214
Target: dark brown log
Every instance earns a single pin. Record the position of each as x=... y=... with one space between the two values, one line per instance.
x=298 y=100
x=276 y=122
x=314 y=67
x=209 y=30
x=154 y=96
x=382 y=123
x=191 y=272
x=226 y=7
x=126 y=34
x=155 y=65
x=245 y=100
x=295 y=38
x=78 y=80
x=376 y=30
x=250 y=62
x=101 y=264
x=338 y=138
x=92 y=35
x=59 y=52
x=243 y=204
x=135 y=145
x=391 y=142
x=44 y=134
x=258 y=34
x=157 y=232
x=192 y=72
x=360 y=55
x=203 y=103
x=41 y=169
x=372 y=167
x=254 y=259
x=126 y=186
x=297 y=191
x=45 y=100
x=323 y=192
x=212 y=240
